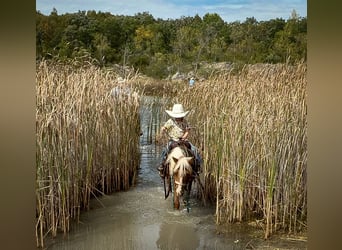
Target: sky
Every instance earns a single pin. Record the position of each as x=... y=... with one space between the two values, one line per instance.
x=228 y=10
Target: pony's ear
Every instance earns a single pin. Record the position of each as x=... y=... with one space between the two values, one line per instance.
x=190 y=160
x=175 y=159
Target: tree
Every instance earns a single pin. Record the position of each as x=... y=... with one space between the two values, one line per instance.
x=290 y=43
x=102 y=47
x=146 y=43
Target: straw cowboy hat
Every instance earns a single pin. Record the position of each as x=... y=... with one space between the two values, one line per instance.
x=177 y=111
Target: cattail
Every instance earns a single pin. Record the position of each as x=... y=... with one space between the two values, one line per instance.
x=87 y=142
x=251 y=127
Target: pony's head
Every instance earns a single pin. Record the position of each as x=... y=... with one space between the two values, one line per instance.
x=180 y=167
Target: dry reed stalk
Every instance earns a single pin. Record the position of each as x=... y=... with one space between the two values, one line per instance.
x=87 y=142
x=252 y=127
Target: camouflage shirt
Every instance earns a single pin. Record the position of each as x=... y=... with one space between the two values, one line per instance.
x=175 y=129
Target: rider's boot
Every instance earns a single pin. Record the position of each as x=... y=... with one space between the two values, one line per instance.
x=161 y=169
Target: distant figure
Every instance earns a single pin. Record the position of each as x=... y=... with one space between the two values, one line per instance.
x=191 y=82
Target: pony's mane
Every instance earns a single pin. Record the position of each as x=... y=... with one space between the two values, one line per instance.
x=182 y=165
x=176 y=152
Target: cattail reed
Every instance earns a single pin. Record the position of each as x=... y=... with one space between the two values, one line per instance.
x=252 y=129
x=87 y=142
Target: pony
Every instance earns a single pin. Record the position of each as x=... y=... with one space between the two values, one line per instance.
x=179 y=174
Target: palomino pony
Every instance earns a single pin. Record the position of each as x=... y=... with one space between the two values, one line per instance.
x=179 y=174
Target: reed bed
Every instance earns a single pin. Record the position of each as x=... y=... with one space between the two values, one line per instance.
x=87 y=142
x=252 y=130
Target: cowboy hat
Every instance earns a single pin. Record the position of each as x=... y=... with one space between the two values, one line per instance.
x=177 y=111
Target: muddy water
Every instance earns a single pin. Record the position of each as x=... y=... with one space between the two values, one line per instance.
x=142 y=219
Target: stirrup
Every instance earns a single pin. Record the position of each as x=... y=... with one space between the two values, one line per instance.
x=160 y=168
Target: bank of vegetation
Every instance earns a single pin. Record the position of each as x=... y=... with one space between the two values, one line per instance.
x=160 y=48
x=87 y=142
x=252 y=130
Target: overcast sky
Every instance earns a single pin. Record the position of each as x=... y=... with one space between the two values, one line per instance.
x=229 y=10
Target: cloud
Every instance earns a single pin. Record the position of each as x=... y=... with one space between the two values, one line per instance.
x=228 y=10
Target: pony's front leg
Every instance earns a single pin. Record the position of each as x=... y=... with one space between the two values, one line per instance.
x=175 y=198
x=187 y=197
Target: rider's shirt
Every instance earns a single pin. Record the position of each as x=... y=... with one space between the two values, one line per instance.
x=176 y=129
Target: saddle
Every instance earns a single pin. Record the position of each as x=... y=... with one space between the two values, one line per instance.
x=183 y=144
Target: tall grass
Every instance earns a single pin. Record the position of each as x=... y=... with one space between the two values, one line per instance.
x=87 y=142
x=252 y=129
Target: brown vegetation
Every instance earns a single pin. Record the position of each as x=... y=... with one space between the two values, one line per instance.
x=87 y=142
x=252 y=128
x=249 y=125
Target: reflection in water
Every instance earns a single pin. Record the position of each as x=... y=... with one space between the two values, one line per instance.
x=177 y=236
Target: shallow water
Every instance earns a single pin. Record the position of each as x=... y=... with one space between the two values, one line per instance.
x=142 y=219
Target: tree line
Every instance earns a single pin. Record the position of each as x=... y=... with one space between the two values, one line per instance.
x=160 y=47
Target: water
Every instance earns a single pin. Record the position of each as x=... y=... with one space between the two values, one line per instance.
x=142 y=219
